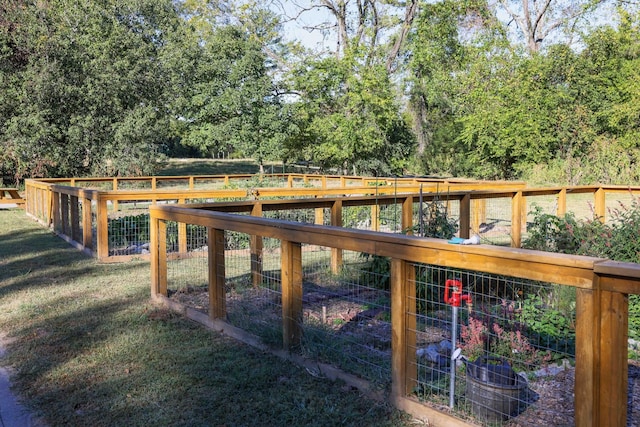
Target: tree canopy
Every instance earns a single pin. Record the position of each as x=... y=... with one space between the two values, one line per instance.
x=529 y=90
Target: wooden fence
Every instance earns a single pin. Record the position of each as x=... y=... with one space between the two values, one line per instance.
x=81 y=214
x=602 y=289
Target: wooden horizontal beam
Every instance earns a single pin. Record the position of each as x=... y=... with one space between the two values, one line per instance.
x=544 y=266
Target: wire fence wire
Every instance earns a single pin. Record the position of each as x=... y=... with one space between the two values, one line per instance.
x=514 y=335
x=513 y=332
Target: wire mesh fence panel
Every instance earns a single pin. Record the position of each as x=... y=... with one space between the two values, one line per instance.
x=546 y=204
x=172 y=184
x=618 y=205
x=254 y=303
x=493 y=222
x=134 y=184
x=390 y=218
x=517 y=341
x=581 y=205
x=357 y=217
x=346 y=317
x=213 y=183
x=128 y=230
x=307 y=216
x=94 y=185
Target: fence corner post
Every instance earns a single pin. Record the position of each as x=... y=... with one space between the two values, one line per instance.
x=601 y=357
x=158 y=249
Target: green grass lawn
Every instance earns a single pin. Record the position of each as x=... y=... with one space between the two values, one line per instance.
x=178 y=167
x=90 y=349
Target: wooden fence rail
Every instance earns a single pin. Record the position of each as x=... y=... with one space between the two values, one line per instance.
x=602 y=296
x=81 y=215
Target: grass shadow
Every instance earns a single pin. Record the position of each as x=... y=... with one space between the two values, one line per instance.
x=90 y=349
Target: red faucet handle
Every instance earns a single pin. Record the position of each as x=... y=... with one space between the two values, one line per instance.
x=457 y=292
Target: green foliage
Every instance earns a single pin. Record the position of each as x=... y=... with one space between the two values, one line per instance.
x=228 y=101
x=618 y=239
x=550 y=324
x=349 y=117
x=483 y=108
x=548 y=232
x=86 y=87
x=435 y=222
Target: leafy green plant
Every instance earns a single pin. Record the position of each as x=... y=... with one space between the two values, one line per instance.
x=618 y=239
x=435 y=221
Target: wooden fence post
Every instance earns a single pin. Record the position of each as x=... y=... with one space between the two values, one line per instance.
x=403 y=324
x=336 y=220
x=319 y=216
x=516 y=220
x=375 y=217
x=600 y=204
x=601 y=357
x=465 y=215
x=50 y=206
x=87 y=224
x=158 y=247
x=562 y=203
x=75 y=219
x=479 y=213
x=114 y=187
x=55 y=210
x=64 y=213
x=291 y=271
x=217 y=293
x=182 y=234
x=256 y=246
x=407 y=215
x=102 y=222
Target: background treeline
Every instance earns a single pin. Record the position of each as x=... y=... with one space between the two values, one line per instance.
x=546 y=91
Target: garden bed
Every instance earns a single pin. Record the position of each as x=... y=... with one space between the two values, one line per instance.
x=340 y=313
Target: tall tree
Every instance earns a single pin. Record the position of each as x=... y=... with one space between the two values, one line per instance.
x=88 y=85
x=350 y=118
x=537 y=20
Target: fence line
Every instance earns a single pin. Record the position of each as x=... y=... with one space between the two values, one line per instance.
x=601 y=296
x=89 y=218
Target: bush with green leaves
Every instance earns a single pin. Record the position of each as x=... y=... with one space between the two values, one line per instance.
x=618 y=239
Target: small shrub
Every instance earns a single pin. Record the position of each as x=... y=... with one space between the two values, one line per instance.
x=435 y=222
x=480 y=337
